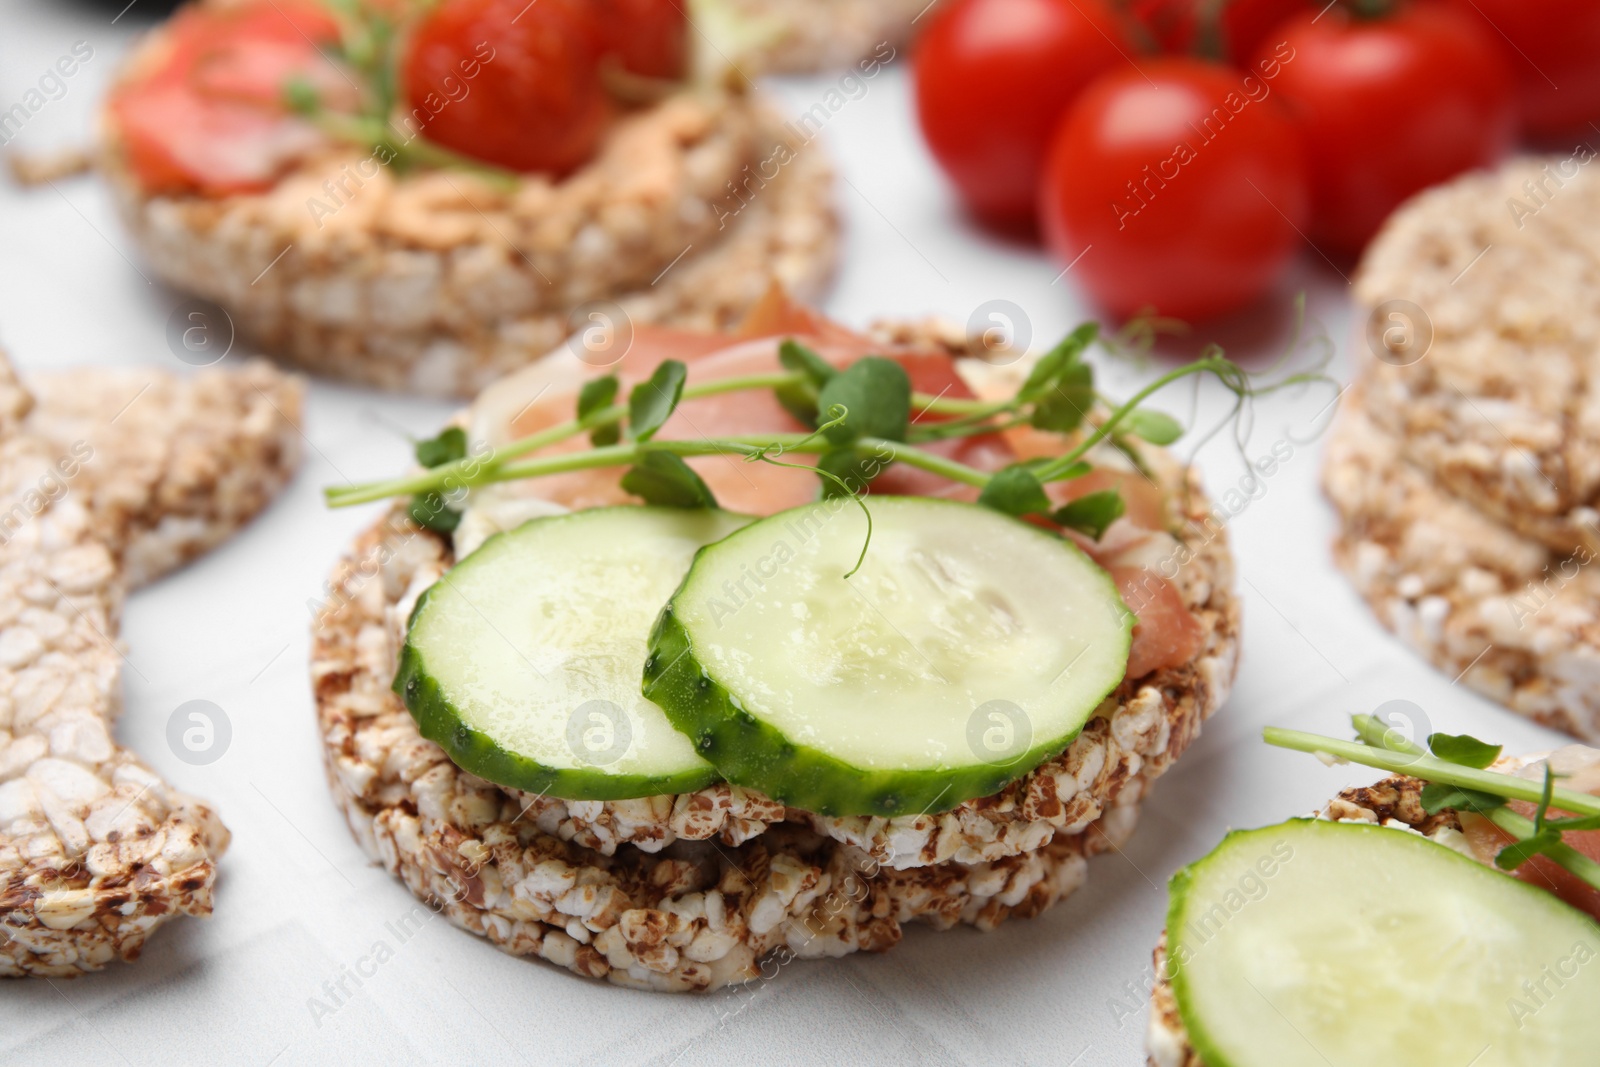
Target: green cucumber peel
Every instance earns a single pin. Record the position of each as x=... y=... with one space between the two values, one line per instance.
x=741 y=747
x=692 y=672
x=510 y=692
x=477 y=753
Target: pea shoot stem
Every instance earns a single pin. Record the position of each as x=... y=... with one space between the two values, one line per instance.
x=1521 y=828
x=754 y=446
x=1375 y=733
x=962 y=416
x=1062 y=464
x=473 y=471
x=1431 y=769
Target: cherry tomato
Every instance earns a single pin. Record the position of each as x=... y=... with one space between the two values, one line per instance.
x=1180 y=185
x=1171 y=25
x=508 y=82
x=1388 y=107
x=1241 y=26
x=1553 y=50
x=993 y=77
x=649 y=37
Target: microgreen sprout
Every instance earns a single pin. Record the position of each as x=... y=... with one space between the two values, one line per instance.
x=864 y=417
x=1454 y=769
x=368 y=55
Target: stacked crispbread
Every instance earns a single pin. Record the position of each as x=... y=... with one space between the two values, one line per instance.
x=439 y=281
x=1465 y=464
x=695 y=891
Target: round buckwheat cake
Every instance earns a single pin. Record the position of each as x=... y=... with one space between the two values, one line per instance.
x=108 y=479
x=441 y=281
x=690 y=892
x=1502 y=271
x=1395 y=802
x=1514 y=619
x=803 y=36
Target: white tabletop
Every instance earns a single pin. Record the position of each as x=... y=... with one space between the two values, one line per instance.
x=298 y=904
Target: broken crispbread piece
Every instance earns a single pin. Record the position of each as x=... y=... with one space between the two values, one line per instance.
x=110 y=479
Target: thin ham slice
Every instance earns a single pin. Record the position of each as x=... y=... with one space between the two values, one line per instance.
x=1487 y=839
x=730 y=477
x=1144 y=505
x=1167 y=635
x=545 y=394
x=225 y=147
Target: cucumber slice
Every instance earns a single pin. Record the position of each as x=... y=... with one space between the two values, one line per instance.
x=969 y=648
x=1316 y=943
x=523 y=662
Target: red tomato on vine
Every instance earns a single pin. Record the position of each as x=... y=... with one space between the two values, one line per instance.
x=993 y=78
x=1181 y=185
x=1388 y=106
x=1235 y=28
x=1553 y=50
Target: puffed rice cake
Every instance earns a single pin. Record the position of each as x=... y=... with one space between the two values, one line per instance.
x=810 y=36
x=1504 y=613
x=108 y=480
x=1502 y=269
x=439 y=282
x=691 y=892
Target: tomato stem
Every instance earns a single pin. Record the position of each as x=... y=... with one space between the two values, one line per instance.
x=1210 y=35
x=1370 y=10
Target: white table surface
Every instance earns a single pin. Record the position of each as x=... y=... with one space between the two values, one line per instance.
x=298 y=903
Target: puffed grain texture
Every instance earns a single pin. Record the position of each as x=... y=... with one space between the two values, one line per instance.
x=110 y=479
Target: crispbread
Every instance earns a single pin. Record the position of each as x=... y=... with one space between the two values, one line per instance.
x=439 y=282
x=691 y=892
x=1511 y=618
x=110 y=478
x=1502 y=271
x=195 y=458
x=695 y=916
x=804 y=36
